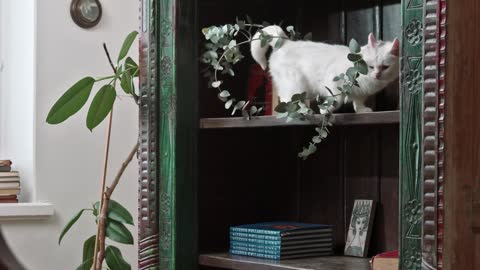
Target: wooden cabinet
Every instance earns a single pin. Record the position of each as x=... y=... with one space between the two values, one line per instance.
x=202 y=171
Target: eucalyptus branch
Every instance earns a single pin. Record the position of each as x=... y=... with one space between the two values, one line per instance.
x=223 y=39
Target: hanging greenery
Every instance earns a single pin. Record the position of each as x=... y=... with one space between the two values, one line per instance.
x=222 y=51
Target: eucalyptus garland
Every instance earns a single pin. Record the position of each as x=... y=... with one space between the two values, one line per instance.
x=222 y=51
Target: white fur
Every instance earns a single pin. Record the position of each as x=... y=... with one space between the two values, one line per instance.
x=299 y=66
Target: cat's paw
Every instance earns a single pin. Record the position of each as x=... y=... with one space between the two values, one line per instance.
x=364 y=110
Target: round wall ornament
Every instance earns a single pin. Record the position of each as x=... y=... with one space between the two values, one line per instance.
x=86 y=13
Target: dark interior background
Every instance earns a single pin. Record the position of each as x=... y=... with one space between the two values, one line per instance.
x=254 y=175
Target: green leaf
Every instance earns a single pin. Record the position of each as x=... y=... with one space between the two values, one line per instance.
x=279 y=43
x=352 y=73
x=127 y=82
x=127 y=43
x=115 y=212
x=281 y=107
x=354 y=46
x=114 y=259
x=130 y=63
x=69 y=225
x=117 y=232
x=292 y=107
x=362 y=67
x=88 y=250
x=224 y=94
x=299 y=97
x=353 y=57
x=86 y=265
x=101 y=105
x=336 y=79
x=71 y=101
x=253 y=110
x=228 y=104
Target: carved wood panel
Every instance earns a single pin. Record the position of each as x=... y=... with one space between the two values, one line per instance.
x=411 y=134
x=148 y=207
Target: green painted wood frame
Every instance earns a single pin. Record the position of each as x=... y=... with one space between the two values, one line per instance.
x=168 y=132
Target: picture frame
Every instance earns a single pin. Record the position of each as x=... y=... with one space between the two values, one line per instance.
x=360 y=228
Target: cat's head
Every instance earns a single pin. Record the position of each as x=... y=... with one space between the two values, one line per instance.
x=382 y=58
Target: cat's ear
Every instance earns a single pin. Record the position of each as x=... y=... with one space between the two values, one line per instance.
x=372 y=41
x=395 y=47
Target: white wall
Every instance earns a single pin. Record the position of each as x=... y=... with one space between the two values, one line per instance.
x=68 y=157
x=17 y=22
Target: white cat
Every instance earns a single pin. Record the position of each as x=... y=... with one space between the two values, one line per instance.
x=306 y=66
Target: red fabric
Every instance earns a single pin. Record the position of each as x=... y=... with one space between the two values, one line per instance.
x=258 y=79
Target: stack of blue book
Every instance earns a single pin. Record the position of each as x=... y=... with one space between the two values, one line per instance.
x=281 y=240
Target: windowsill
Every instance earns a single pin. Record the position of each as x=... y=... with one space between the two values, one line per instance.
x=25 y=211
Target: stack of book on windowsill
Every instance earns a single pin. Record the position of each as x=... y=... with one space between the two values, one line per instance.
x=9 y=183
x=281 y=240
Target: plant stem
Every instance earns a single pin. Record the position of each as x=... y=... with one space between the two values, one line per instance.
x=97 y=263
x=101 y=234
x=103 y=202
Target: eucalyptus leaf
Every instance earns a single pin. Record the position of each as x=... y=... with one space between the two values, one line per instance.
x=228 y=104
x=281 y=107
x=116 y=212
x=216 y=84
x=352 y=73
x=282 y=115
x=292 y=107
x=336 y=78
x=70 y=224
x=299 y=97
x=354 y=46
x=115 y=260
x=253 y=110
x=101 y=106
x=354 y=57
x=317 y=139
x=224 y=94
x=279 y=43
x=117 y=232
x=71 y=101
x=362 y=67
x=127 y=43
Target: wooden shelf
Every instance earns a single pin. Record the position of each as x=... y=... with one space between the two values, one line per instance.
x=341 y=119
x=225 y=260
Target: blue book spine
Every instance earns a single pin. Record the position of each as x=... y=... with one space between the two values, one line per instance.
x=256 y=250
x=254 y=246
x=254 y=254
x=256 y=231
x=256 y=236
x=256 y=241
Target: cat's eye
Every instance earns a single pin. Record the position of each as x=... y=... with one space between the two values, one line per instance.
x=385 y=67
x=370 y=67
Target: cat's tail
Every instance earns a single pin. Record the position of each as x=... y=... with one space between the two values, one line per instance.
x=258 y=51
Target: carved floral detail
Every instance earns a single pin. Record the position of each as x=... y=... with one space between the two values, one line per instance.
x=414 y=32
x=414 y=80
x=412 y=259
x=165 y=30
x=413 y=212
